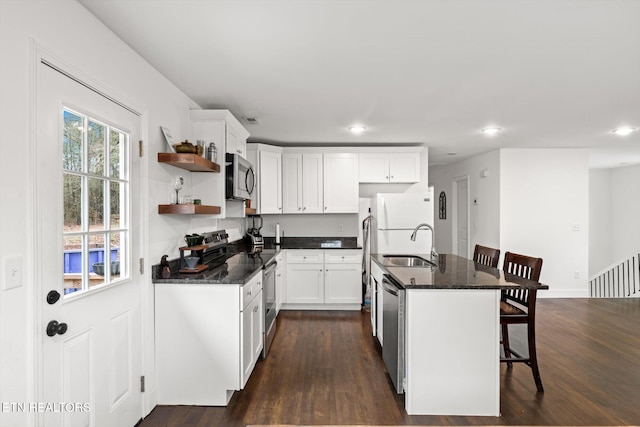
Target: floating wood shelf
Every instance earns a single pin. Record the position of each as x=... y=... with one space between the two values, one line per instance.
x=188 y=161
x=249 y=211
x=188 y=209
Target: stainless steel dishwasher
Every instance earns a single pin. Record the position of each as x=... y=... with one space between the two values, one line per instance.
x=393 y=312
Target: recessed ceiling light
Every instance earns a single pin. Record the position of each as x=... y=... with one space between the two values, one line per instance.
x=357 y=129
x=623 y=131
x=491 y=131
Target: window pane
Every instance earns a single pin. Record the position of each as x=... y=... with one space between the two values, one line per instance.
x=96 y=204
x=72 y=202
x=72 y=261
x=96 y=137
x=118 y=260
x=97 y=260
x=72 y=141
x=116 y=153
x=116 y=203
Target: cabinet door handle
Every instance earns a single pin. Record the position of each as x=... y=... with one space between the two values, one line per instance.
x=386 y=177
x=299 y=208
x=255 y=308
x=249 y=293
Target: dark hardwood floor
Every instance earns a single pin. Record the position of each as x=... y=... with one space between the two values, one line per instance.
x=326 y=368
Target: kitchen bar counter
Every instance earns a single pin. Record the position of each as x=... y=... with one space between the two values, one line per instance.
x=452 y=272
x=451 y=337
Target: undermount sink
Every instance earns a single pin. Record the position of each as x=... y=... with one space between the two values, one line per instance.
x=406 y=261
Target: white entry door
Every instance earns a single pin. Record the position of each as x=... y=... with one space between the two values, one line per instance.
x=87 y=252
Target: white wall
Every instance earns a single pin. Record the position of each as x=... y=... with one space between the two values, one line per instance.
x=67 y=31
x=485 y=216
x=544 y=193
x=601 y=225
x=614 y=207
x=625 y=212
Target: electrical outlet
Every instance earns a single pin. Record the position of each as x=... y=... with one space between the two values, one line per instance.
x=576 y=275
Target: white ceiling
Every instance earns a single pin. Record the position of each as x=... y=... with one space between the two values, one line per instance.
x=551 y=73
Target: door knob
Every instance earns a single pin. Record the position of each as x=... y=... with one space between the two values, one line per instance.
x=54 y=328
x=53 y=296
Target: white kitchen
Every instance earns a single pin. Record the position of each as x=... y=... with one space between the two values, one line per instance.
x=330 y=104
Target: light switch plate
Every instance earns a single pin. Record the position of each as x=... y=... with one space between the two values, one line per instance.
x=13 y=272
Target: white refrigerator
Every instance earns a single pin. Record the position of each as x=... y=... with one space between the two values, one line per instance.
x=395 y=216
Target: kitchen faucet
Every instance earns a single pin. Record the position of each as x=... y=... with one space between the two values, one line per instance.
x=433 y=237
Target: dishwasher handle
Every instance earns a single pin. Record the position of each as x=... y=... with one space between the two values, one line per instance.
x=389 y=285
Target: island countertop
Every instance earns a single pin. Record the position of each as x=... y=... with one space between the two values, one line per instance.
x=452 y=272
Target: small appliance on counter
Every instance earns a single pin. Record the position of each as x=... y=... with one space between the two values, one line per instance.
x=253 y=233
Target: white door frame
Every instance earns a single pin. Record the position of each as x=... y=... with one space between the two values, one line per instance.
x=454 y=223
x=39 y=54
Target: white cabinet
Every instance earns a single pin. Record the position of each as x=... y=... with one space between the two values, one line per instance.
x=236 y=139
x=269 y=182
x=305 y=277
x=302 y=183
x=318 y=278
x=232 y=139
x=341 y=193
x=403 y=167
x=208 y=339
x=340 y=281
x=281 y=279
x=376 y=300
x=251 y=319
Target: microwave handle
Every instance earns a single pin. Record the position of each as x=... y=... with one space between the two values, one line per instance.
x=252 y=180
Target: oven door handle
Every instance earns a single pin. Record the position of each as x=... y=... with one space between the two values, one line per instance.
x=270 y=267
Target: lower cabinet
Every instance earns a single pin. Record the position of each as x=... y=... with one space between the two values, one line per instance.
x=281 y=280
x=318 y=279
x=251 y=320
x=208 y=340
x=376 y=308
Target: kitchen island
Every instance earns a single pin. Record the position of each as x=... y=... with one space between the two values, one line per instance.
x=451 y=336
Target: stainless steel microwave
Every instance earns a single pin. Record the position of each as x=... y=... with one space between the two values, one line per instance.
x=240 y=179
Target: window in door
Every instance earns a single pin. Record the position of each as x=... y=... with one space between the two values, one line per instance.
x=95 y=202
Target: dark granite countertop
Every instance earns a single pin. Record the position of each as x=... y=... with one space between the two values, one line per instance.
x=313 y=243
x=241 y=262
x=452 y=272
x=233 y=267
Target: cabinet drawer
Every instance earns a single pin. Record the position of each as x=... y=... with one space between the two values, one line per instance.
x=342 y=257
x=250 y=289
x=305 y=257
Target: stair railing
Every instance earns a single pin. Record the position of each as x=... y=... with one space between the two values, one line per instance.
x=621 y=280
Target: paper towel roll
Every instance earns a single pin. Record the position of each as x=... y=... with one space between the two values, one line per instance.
x=277 y=233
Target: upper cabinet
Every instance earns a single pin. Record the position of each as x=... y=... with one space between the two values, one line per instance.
x=403 y=167
x=225 y=131
x=341 y=183
x=229 y=136
x=267 y=163
x=302 y=183
x=237 y=140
